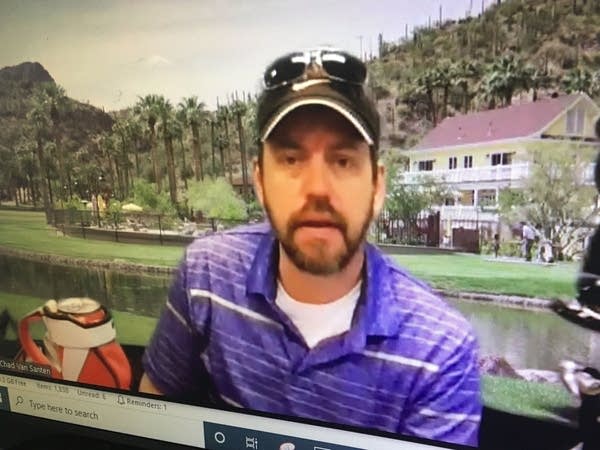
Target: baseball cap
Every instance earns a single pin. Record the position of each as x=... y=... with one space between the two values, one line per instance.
x=327 y=77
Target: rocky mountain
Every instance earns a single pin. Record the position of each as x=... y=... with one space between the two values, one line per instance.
x=20 y=87
x=27 y=72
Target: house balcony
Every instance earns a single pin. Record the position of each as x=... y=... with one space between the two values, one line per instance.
x=469 y=214
x=501 y=174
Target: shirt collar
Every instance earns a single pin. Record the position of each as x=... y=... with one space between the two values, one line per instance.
x=262 y=277
x=377 y=293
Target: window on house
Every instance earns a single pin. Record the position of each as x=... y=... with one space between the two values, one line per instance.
x=501 y=159
x=467 y=198
x=425 y=165
x=487 y=197
x=575 y=121
x=468 y=162
x=449 y=201
x=452 y=162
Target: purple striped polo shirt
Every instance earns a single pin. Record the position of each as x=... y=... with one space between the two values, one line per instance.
x=407 y=365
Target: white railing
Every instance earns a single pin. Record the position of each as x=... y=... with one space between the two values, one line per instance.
x=468 y=213
x=512 y=172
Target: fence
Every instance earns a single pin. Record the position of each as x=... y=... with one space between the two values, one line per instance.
x=136 y=226
x=467 y=235
x=424 y=230
x=430 y=231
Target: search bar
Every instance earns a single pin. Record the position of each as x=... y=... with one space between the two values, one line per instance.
x=196 y=426
x=106 y=413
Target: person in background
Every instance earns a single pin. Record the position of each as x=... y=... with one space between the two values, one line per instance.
x=300 y=315
x=528 y=236
x=496 y=244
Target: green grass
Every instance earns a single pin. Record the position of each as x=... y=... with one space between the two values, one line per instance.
x=539 y=400
x=28 y=231
x=131 y=328
x=471 y=273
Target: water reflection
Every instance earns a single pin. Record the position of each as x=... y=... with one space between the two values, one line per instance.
x=142 y=294
x=529 y=338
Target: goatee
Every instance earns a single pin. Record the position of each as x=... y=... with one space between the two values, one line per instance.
x=320 y=261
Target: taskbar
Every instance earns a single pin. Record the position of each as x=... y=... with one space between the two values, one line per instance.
x=189 y=425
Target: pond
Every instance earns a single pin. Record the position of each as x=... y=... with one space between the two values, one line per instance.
x=525 y=338
x=528 y=338
x=138 y=293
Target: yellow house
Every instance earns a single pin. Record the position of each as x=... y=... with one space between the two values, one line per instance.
x=481 y=153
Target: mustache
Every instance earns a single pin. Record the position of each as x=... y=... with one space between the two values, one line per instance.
x=317 y=212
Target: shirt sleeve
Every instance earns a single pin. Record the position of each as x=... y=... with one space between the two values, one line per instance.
x=448 y=404
x=172 y=359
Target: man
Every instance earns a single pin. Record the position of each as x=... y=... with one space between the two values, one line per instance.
x=529 y=235
x=302 y=316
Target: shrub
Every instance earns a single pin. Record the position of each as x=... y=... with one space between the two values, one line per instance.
x=216 y=198
x=145 y=195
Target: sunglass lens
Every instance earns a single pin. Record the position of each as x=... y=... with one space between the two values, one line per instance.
x=283 y=70
x=345 y=67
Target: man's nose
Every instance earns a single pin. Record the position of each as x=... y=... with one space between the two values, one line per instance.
x=317 y=179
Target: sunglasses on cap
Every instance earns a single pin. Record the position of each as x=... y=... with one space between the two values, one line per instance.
x=329 y=64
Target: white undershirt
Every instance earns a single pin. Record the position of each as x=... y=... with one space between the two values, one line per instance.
x=318 y=322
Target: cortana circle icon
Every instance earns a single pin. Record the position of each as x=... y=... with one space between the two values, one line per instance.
x=219 y=437
x=287 y=446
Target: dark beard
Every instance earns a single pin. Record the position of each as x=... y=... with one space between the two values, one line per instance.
x=319 y=264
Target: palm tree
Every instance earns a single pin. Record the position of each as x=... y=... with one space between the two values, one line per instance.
x=147 y=110
x=38 y=123
x=166 y=116
x=179 y=133
x=133 y=130
x=426 y=83
x=27 y=168
x=239 y=109
x=121 y=154
x=106 y=143
x=10 y=173
x=464 y=73
x=223 y=117
x=210 y=121
x=538 y=79
x=50 y=99
x=57 y=104
x=195 y=115
x=503 y=78
x=443 y=80
x=577 y=80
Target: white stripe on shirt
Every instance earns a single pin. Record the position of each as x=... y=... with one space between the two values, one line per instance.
x=232 y=306
x=178 y=316
x=230 y=401
x=214 y=276
x=450 y=416
x=402 y=360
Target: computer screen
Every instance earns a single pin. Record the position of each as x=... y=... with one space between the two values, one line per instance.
x=298 y=225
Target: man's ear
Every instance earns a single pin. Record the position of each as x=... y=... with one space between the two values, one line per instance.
x=380 y=190
x=258 y=181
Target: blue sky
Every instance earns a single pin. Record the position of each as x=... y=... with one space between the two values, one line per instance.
x=109 y=52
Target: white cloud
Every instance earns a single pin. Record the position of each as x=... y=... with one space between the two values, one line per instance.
x=154 y=61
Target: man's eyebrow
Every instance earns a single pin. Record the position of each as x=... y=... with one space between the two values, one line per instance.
x=283 y=142
x=347 y=144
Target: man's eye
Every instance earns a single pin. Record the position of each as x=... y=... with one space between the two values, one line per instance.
x=343 y=162
x=290 y=160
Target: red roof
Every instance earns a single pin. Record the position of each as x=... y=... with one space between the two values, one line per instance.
x=513 y=121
